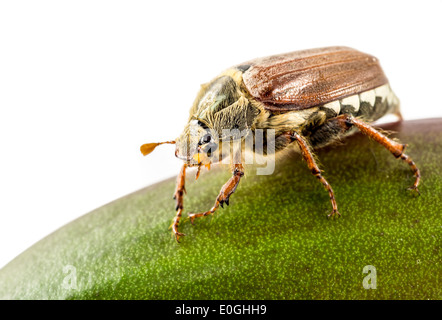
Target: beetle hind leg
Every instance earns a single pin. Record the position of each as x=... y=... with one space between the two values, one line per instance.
x=416 y=172
x=396 y=148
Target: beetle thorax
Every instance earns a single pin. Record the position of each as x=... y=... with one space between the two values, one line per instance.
x=222 y=104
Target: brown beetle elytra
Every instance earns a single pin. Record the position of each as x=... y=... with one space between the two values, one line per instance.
x=307 y=99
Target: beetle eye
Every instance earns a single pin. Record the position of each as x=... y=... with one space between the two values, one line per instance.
x=202 y=124
x=205 y=139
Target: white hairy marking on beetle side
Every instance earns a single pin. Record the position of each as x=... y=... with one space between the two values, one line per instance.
x=352 y=101
x=368 y=96
x=382 y=91
x=334 y=105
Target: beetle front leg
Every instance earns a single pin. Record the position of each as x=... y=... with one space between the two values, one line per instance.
x=311 y=163
x=226 y=191
x=179 y=197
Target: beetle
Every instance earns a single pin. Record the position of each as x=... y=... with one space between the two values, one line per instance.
x=309 y=98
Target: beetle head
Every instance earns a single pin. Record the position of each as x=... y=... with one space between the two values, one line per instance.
x=221 y=112
x=197 y=144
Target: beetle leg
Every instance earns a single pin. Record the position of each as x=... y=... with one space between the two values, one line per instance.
x=397 y=149
x=178 y=196
x=311 y=163
x=226 y=191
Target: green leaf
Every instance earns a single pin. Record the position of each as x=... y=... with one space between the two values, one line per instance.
x=273 y=242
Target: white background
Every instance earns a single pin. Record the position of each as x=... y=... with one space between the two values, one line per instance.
x=84 y=83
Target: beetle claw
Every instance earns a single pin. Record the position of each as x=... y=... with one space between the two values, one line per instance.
x=334 y=214
x=414 y=190
x=178 y=235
